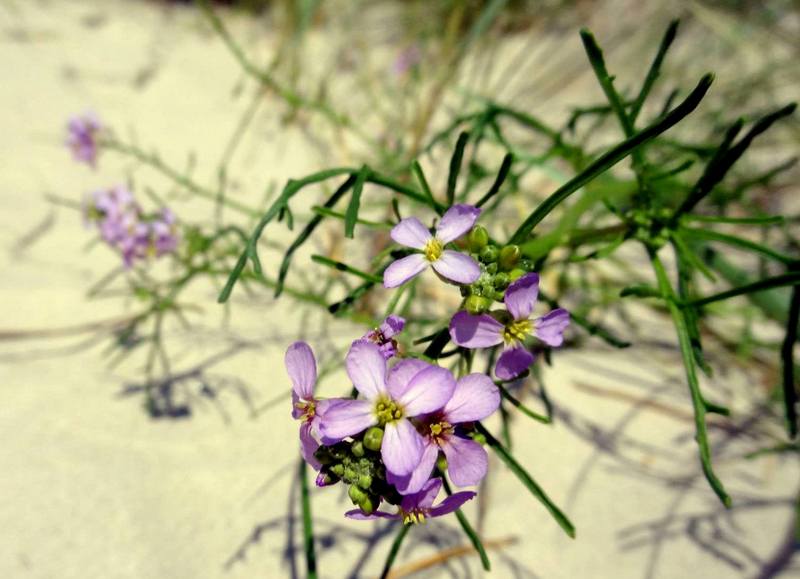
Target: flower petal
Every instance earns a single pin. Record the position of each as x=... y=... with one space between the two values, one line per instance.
x=550 y=328
x=428 y=391
x=345 y=418
x=402 y=270
x=512 y=363
x=481 y=331
x=466 y=461
x=456 y=222
x=366 y=367
x=308 y=446
x=424 y=498
x=521 y=296
x=451 y=503
x=302 y=369
x=474 y=398
x=414 y=482
x=401 y=374
x=457 y=267
x=392 y=326
x=411 y=233
x=401 y=448
x=360 y=515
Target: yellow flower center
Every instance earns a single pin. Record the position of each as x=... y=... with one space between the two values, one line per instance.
x=516 y=331
x=440 y=430
x=309 y=410
x=413 y=517
x=433 y=250
x=388 y=411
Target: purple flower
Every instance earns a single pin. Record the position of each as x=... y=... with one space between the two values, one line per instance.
x=407 y=59
x=82 y=137
x=474 y=398
x=163 y=233
x=485 y=331
x=302 y=369
x=412 y=388
x=449 y=264
x=384 y=335
x=415 y=508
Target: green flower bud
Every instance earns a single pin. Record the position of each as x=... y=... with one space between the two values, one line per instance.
x=515 y=274
x=356 y=495
x=489 y=254
x=365 y=481
x=338 y=470
x=368 y=504
x=501 y=280
x=491 y=268
x=526 y=264
x=477 y=304
x=478 y=238
x=349 y=474
x=509 y=256
x=478 y=437
x=441 y=463
x=357 y=448
x=373 y=438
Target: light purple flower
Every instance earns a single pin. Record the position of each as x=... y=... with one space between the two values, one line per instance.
x=485 y=331
x=452 y=265
x=302 y=369
x=82 y=137
x=164 y=233
x=411 y=388
x=415 y=508
x=384 y=335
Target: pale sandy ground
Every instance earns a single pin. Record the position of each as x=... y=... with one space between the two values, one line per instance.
x=90 y=487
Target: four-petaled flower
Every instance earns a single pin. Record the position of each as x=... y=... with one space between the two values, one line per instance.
x=474 y=398
x=302 y=369
x=82 y=137
x=484 y=331
x=416 y=507
x=452 y=265
x=389 y=400
x=384 y=335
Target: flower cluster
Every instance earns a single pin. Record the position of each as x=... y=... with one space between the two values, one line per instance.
x=82 y=134
x=125 y=227
x=412 y=422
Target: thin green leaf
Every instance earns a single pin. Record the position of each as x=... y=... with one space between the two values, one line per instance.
x=786 y=279
x=527 y=480
x=455 y=167
x=520 y=406
x=351 y=216
x=653 y=72
x=426 y=190
x=790 y=396
x=338 y=265
x=472 y=535
x=505 y=167
x=740 y=242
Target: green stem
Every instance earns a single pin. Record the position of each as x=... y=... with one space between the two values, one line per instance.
x=308 y=528
x=471 y=533
x=394 y=550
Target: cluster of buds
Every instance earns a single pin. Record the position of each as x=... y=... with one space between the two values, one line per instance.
x=412 y=422
x=127 y=229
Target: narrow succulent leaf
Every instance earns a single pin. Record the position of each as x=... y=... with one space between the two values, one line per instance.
x=455 y=167
x=338 y=265
x=351 y=216
x=790 y=394
x=505 y=167
x=653 y=72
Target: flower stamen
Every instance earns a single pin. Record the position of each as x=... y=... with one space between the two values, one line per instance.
x=433 y=250
x=388 y=411
x=517 y=331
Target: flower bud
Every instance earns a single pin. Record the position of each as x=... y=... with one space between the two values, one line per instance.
x=509 y=256
x=441 y=462
x=477 y=304
x=357 y=448
x=368 y=504
x=478 y=238
x=365 y=481
x=356 y=495
x=515 y=274
x=338 y=470
x=326 y=478
x=373 y=438
x=501 y=280
x=489 y=254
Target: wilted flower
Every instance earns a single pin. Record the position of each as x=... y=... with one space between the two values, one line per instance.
x=416 y=507
x=412 y=388
x=474 y=398
x=302 y=369
x=384 y=335
x=82 y=137
x=484 y=330
x=449 y=264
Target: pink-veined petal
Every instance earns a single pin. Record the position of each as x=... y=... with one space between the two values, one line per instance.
x=366 y=367
x=481 y=331
x=401 y=448
x=411 y=233
x=451 y=503
x=308 y=446
x=302 y=369
x=401 y=374
x=513 y=362
x=345 y=418
x=428 y=391
x=402 y=270
x=550 y=328
x=466 y=461
x=474 y=398
x=457 y=267
x=359 y=515
x=456 y=222
x=521 y=295
x=424 y=498
x=414 y=482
